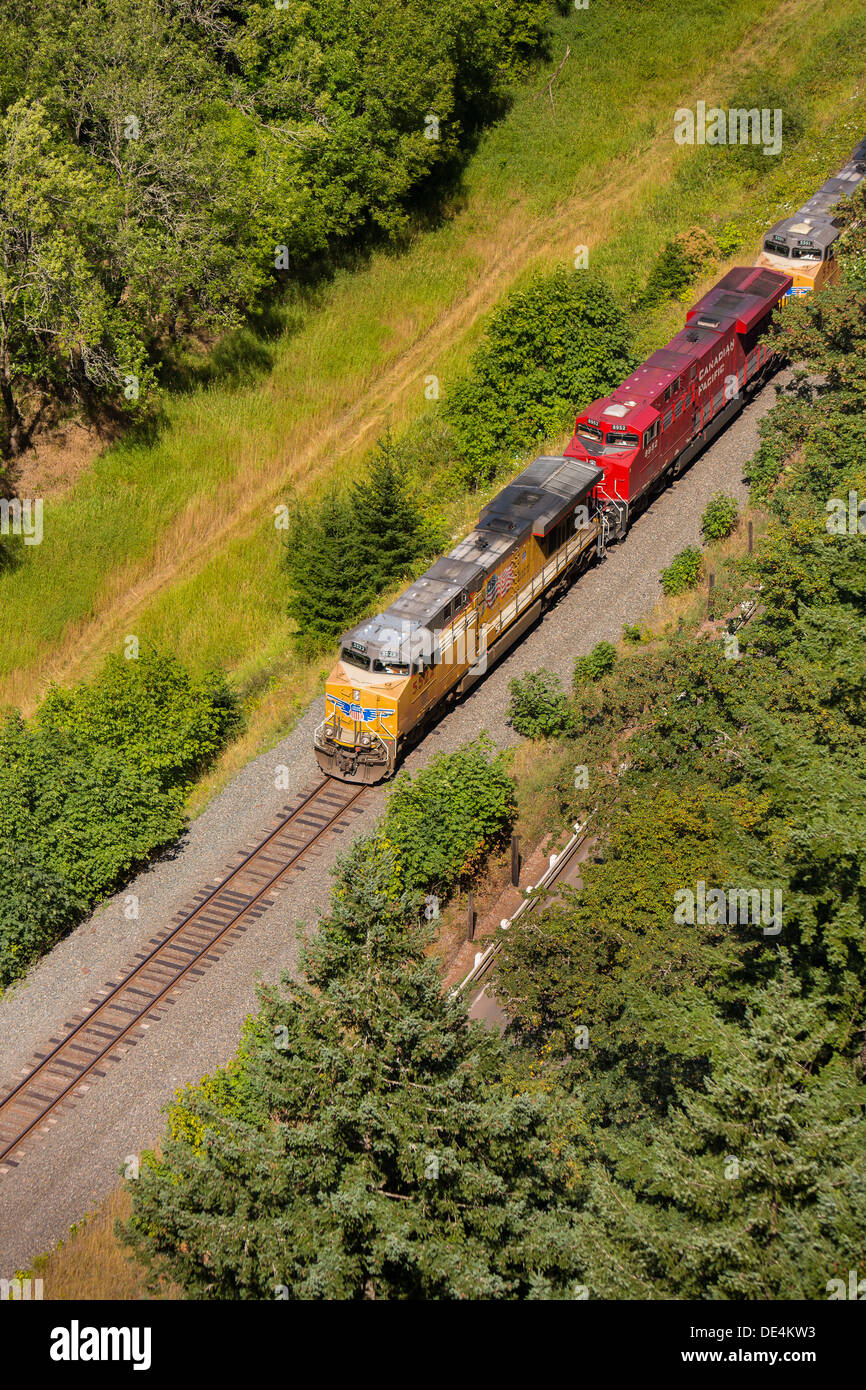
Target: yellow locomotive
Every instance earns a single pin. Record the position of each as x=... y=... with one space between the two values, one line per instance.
x=804 y=245
x=398 y=671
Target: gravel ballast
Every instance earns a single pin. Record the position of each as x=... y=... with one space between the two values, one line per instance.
x=64 y=1174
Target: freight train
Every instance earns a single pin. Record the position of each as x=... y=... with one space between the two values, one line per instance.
x=804 y=245
x=398 y=672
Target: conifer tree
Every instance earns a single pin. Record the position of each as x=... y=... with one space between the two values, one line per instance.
x=323 y=561
x=756 y=1186
x=387 y=520
x=362 y=1146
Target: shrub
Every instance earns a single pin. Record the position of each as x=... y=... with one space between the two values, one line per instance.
x=595 y=664
x=445 y=818
x=683 y=572
x=539 y=707
x=160 y=721
x=36 y=906
x=677 y=265
x=720 y=517
x=548 y=351
x=631 y=633
x=88 y=815
x=94 y=786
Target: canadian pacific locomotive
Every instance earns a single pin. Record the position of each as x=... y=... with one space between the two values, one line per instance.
x=399 y=671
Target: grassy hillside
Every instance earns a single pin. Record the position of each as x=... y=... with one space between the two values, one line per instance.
x=173 y=539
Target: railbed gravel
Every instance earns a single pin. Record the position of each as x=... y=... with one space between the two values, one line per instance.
x=66 y=1173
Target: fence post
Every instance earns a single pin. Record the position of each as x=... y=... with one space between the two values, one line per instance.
x=515 y=860
x=750 y=537
x=710 y=586
x=470 y=918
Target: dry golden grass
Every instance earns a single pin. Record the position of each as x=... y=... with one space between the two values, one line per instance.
x=92 y=1264
x=309 y=420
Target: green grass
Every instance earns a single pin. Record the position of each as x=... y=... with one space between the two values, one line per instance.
x=174 y=539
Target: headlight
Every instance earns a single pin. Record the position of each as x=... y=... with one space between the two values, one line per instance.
x=366 y=740
x=330 y=730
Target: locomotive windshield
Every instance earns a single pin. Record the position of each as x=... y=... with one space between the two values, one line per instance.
x=623 y=441
x=588 y=432
x=391 y=668
x=591 y=437
x=355 y=658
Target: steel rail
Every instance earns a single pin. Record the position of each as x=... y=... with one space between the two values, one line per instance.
x=165 y=946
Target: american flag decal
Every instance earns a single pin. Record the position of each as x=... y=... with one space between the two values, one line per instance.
x=491 y=591
x=505 y=580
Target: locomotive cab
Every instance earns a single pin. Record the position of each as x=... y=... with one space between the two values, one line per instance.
x=357 y=739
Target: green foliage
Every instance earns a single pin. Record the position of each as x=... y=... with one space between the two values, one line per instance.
x=756 y=1187
x=683 y=572
x=445 y=818
x=632 y=633
x=362 y=1148
x=96 y=784
x=677 y=266
x=595 y=664
x=390 y=529
x=322 y=556
x=342 y=549
x=36 y=907
x=188 y=145
x=548 y=351
x=363 y=1143
x=90 y=817
x=720 y=517
x=158 y=720
x=539 y=707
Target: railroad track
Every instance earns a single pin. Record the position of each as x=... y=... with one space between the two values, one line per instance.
x=122 y=1011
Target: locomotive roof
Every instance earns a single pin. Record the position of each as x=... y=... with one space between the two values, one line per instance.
x=535 y=500
x=738 y=301
x=531 y=504
x=813 y=222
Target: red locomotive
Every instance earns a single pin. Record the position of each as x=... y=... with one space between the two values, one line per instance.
x=662 y=415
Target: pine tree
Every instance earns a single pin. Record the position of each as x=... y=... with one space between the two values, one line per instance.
x=387 y=520
x=361 y=1146
x=756 y=1186
x=323 y=558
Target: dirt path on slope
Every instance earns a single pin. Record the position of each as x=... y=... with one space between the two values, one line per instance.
x=243 y=504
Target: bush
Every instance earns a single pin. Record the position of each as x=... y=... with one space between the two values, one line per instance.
x=444 y=819
x=94 y=786
x=595 y=664
x=157 y=719
x=539 y=707
x=677 y=265
x=36 y=907
x=89 y=816
x=549 y=350
x=720 y=517
x=683 y=572
x=632 y=633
